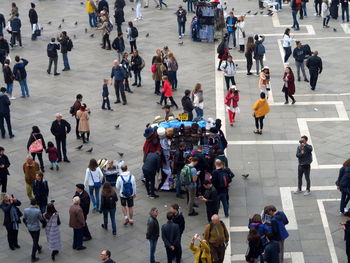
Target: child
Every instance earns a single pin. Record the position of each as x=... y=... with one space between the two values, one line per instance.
x=231 y=101
x=167 y=92
x=53 y=155
x=105 y=95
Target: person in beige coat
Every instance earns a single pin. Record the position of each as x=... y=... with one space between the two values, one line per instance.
x=157 y=74
x=77 y=222
x=84 y=127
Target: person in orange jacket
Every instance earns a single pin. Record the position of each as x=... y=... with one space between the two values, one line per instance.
x=260 y=108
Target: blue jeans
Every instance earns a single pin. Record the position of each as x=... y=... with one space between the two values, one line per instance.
x=161 y=3
x=92 y=19
x=295 y=21
x=137 y=74
x=181 y=28
x=223 y=198
x=279 y=4
x=233 y=34
x=152 y=249
x=326 y=20
x=345 y=10
x=65 y=60
x=95 y=199
x=111 y=213
x=173 y=79
x=189 y=6
x=199 y=113
x=9 y=88
x=304 y=8
x=345 y=197
x=24 y=87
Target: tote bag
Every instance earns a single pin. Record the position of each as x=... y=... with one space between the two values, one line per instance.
x=36 y=146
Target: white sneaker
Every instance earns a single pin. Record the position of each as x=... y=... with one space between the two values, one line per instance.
x=346 y=209
x=12 y=98
x=183 y=34
x=297 y=191
x=180 y=37
x=307 y=193
x=136 y=19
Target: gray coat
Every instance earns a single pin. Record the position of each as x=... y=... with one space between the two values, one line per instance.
x=53 y=234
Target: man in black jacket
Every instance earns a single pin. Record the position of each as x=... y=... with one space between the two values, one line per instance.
x=119 y=19
x=33 y=16
x=152 y=232
x=2 y=23
x=187 y=104
x=5 y=113
x=171 y=238
x=304 y=155
x=150 y=167
x=85 y=206
x=211 y=199
x=64 y=41
x=178 y=219
x=118 y=45
x=314 y=64
x=4 y=172
x=4 y=48
x=52 y=48
x=60 y=128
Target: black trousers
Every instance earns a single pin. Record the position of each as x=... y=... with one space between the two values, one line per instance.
x=150 y=181
x=228 y=79
x=313 y=78
x=86 y=231
x=126 y=85
x=171 y=254
x=287 y=53
x=157 y=86
x=35 y=236
x=318 y=8
x=304 y=169
x=104 y=102
x=119 y=28
x=16 y=36
x=12 y=236
x=3 y=182
x=77 y=238
x=119 y=90
x=133 y=45
x=7 y=118
x=171 y=100
x=61 y=144
x=260 y=121
x=54 y=61
x=286 y=96
x=249 y=58
x=40 y=157
x=105 y=40
x=76 y=128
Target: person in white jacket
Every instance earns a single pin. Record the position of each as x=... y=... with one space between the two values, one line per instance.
x=241 y=33
x=326 y=15
x=93 y=181
x=126 y=184
x=229 y=69
x=138 y=10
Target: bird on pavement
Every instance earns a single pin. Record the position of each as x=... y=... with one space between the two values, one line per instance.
x=261 y=12
x=74 y=36
x=248 y=12
x=90 y=150
x=334 y=29
x=147 y=35
x=245 y=176
x=82 y=3
x=79 y=147
x=121 y=154
x=117 y=126
x=132 y=9
x=62 y=20
x=85 y=30
x=49 y=23
x=92 y=35
x=76 y=23
x=59 y=27
x=181 y=43
x=255 y=13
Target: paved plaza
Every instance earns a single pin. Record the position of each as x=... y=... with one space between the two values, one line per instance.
x=269 y=158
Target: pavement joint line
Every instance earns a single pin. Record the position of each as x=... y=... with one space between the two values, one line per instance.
x=267 y=142
x=296 y=257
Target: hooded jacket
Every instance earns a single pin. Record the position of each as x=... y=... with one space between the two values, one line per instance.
x=278 y=222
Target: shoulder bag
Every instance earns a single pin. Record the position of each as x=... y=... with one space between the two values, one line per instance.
x=36 y=146
x=96 y=184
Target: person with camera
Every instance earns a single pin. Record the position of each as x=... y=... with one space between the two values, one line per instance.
x=304 y=155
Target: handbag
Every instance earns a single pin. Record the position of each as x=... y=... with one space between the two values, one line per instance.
x=96 y=184
x=243 y=32
x=36 y=146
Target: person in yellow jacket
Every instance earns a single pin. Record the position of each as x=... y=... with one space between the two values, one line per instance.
x=260 y=108
x=91 y=10
x=202 y=252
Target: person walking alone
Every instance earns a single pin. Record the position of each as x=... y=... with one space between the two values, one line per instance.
x=93 y=180
x=152 y=233
x=229 y=69
x=287 y=44
x=289 y=86
x=343 y=185
x=299 y=56
x=249 y=54
x=35 y=146
x=231 y=102
x=260 y=108
x=20 y=74
x=5 y=114
x=108 y=206
x=60 y=128
x=52 y=48
x=325 y=13
x=314 y=64
x=181 y=21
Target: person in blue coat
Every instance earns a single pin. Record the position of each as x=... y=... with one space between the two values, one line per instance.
x=272 y=250
x=20 y=73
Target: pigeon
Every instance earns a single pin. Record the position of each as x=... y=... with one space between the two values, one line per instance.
x=59 y=27
x=85 y=30
x=261 y=12
x=74 y=36
x=334 y=29
x=132 y=9
x=90 y=150
x=121 y=154
x=62 y=20
x=255 y=13
x=79 y=147
x=82 y=3
x=49 y=23
x=270 y=14
x=76 y=23
x=147 y=35
x=225 y=8
x=245 y=176
x=181 y=43
x=42 y=28
x=92 y=35
x=248 y=12
x=117 y=126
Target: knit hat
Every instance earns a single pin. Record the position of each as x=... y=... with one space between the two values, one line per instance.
x=80 y=186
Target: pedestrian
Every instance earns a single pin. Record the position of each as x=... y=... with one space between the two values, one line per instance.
x=108 y=206
x=33 y=16
x=93 y=181
x=4 y=172
x=16 y=31
x=264 y=81
x=106 y=28
x=152 y=233
x=52 y=48
x=66 y=46
x=161 y=3
x=105 y=94
x=101 y=5
x=91 y=11
x=345 y=10
x=181 y=20
x=255 y=246
x=288 y=86
x=126 y=65
x=325 y=13
x=304 y=155
x=280 y=234
x=157 y=72
x=178 y=219
x=5 y=114
x=119 y=19
x=119 y=74
x=272 y=250
x=223 y=50
x=260 y=108
x=229 y=69
x=84 y=127
x=85 y=206
x=77 y=222
x=299 y=55
x=36 y=145
x=167 y=93
x=287 y=44
x=73 y=110
x=314 y=64
x=2 y=23
x=126 y=184
x=60 y=128
x=52 y=155
x=171 y=239
x=198 y=101
x=178 y=163
x=259 y=52
x=41 y=191
x=150 y=168
x=255 y=222
x=106 y=256
x=216 y=234
x=303 y=11
x=188 y=177
x=132 y=35
x=187 y=104
x=296 y=7
x=14 y=11
x=210 y=198
x=20 y=73
x=318 y=9
x=32 y=217
x=30 y=167
x=231 y=102
x=8 y=78
x=342 y=183
x=53 y=234
x=249 y=54
x=138 y=13
x=202 y=252
x=241 y=33
x=4 y=49
x=118 y=45
x=231 y=25
x=172 y=69
x=279 y=5
x=333 y=8
x=136 y=66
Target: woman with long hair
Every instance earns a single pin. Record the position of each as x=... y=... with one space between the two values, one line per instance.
x=172 y=69
x=231 y=102
x=289 y=85
x=93 y=180
x=197 y=99
x=255 y=247
x=84 y=127
x=52 y=229
x=36 y=145
x=223 y=50
x=136 y=64
x=343 y=185
x=287 y=44
x=127 y=67
x=241 y=33
x=108 y=206
x=264 y=81
x=249 y=54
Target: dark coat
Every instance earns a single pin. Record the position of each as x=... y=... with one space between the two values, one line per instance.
x=105 y=92
x=21 y=67
x=187 y=104
x=314 y=63
x=84 y=202
x=16 y=24
x=272 y=250
x=52 y=50
x=33 y=16
x=180 y=221
x=171 y=234
x=290 y=83
x=108 y=202
x=343 y=178
x=118 y=73
x=37 y=137
x=136 y=62
x=2 y=21
x=4 y=160
x=212 y=202
x=152 y=163
x=101 y=5
x=60 y=131
x=181 y=16
x=152 y=228
x=119 y=16
x=8 y=75
x=41 y=192
x=179 y=161
x=119 y=4
x=4 y=47
x=64 y=44
x=4 y=104
x=7 y=208
x=118 y=44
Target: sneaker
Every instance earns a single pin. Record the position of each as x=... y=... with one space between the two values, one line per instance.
x=103 y=226
x=297 y=191
x=131 y=222
x=307 y=193
x=306 y=80
x=346 y=209
x=12 y=98
x=194 y=213
x=126 y=221
x=180 y=37
x=57 y=168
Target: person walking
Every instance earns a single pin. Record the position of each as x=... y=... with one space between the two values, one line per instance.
x=41 y=191
x=304 y=155
x=260 y=108
x=202 y=252
x=249 y=54
x=32 y=217
x=172 y=69
x=85 y=206
x=106 y=30
x=119 y=46
x=303 y=11
x=93 y=180
x=60 y=128
x=152 y=233
x=314 y=64
x=157 y=73
x=109 y=199
x=91 y=11
x=167 y=93
x=223 y=50
x=288 y=86
x=126 y=184
x=33 y=16
x=77 y=222
x=119 y=74
x=52 y=48
x=299 y=56
x=8 y=78
x=84 y=126
x=259 y=52
x=344 y=10
x=138 y=12
x=287 y=44
x=198 y=101
x=171 y=239
x=231 y=25
x=16 y=25
x=30 y=167
x=4 y=47
x=66 y=46
x=318 y=9
x=126 y=65
x=136 y=66
x=119 y=19
x=216 y=234
x=187 y=104
x=325 y=13
x=264 y=81
x=106 y=256
x=52 y=230
x=343 y=185
x=35 y=146
x=296 y=7
x=12 y=219
x=73 y=110
x=272 y=250
x=20 y=74
x=53 y=155
x=5 y=114
x=231 y=102
x=181 y=21
x=4 y=172
x=211 y=199
x=333 y=8
x=229 y=69
x=178 y=219
x=132 y=35
x=2 y=23
x=241 y=33
x=150 y=168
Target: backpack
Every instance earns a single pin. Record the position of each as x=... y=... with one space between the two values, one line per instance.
x=18 y=75
x=221 y=48
x=110 y=201
x=212 y=225
x=134 y=33
x=71 y=110
x=69 y=44
x=260 y=49
x=127 y=187
x=109 y=26
x=185 y=175
x=50 y=50
x=154 y=68
x=224 y=179
x=307 y=50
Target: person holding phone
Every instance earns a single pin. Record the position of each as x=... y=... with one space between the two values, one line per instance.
x=202 y=252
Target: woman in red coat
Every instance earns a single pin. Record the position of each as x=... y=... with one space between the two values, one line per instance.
x=289 y=86
x=231 y=102
x=167 y=92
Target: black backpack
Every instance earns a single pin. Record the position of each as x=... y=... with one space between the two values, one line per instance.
x=134 y=33
x=69 y=44
x=221 y=48
x=51 y=50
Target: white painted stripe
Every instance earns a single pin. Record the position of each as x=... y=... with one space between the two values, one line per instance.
x=263 y=142
x=327 y=231
x=327 y=166
x=318 y=95
x=308 y=103
x=296 y=257
x=346 y=28
x=322 y=38
x=238 y=229
x=324 y=188
x=288 y=207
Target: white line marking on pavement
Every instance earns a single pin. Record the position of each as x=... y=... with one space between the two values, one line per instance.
x=288 y=207
x=319 y=94
x=276 y=23
x=296 y=257
x=276 y=142
x=346 y=28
